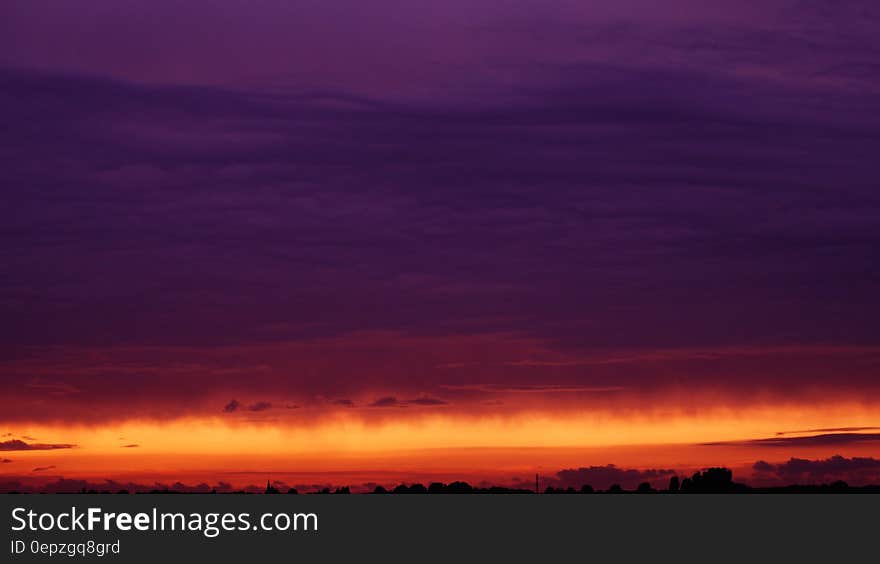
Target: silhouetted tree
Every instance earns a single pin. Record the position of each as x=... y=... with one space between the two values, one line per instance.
x=459 y=488
x=292 y=491
x=673 y=484
x=644 y=487
x=615 y=488
x=587 y=489
x=712 y=480
x=380 y=490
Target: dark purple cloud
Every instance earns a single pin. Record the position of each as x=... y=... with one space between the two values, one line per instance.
x=232 y=406
x=391 y=401
x=21 y=445
x=602 y=477
x=855 y=471
x=826 y=439
x=625 y=177
x=427 y=401
x=653 y=174
x=388 y=401
x=829 y=430
x=235 y=405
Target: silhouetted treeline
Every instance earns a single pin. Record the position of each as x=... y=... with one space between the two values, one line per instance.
x=712 y=480
x=452 y=488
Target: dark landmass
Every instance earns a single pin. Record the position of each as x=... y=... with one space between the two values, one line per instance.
x=710 y=481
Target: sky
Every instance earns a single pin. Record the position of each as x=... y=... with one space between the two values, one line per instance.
x=340 y=244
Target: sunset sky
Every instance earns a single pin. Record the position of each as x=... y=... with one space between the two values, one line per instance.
x=348 y=243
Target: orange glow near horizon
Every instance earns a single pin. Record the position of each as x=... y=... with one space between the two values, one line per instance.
x=481 y=447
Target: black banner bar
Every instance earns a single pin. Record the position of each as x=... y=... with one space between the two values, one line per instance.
x=250 y=528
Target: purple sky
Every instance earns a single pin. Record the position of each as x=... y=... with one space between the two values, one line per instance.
x=578 y=176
